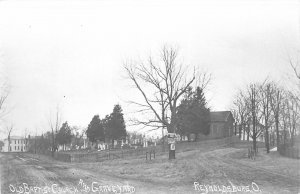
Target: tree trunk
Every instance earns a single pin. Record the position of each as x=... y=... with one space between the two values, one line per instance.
x=244 y=134
x=254 y=142
x=240 y=132
x=235 y=128
x=9 y=145
x=277 y=131
x=248 y=132
x=292 y=136
x=254 y=130
x=273 y=138
x=163 y=139
x=267 y=140
x=196 y=137
x=53 y=149
x=284 y=132
x=112 y=143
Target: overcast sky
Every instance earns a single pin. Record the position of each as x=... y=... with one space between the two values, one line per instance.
x=70 y=53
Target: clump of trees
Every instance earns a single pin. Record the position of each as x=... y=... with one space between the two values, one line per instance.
x=267 y=109
x=40 y=144
x=112 y=127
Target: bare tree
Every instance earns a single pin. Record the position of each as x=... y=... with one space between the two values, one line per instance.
x=276 y=101
x=54 y=124
x=241 y=112
x=161 y=85
x=266 y=92
x=294 y=115
x=285 y=114
x=236 y=121
x=4 y=93
x=295 y=64
x=9 y=129
x=254 y=105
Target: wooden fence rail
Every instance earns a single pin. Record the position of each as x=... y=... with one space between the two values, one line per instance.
x=139 y=152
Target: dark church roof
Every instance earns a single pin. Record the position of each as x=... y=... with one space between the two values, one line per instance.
x=219 y=116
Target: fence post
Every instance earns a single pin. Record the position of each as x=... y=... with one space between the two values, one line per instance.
x=146 y=155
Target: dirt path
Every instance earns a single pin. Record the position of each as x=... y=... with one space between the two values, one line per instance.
x=19 y=174
x=225 y=166
x=243 y=172
x=214 y=167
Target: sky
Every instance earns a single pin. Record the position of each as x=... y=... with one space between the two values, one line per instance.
x=70 y=53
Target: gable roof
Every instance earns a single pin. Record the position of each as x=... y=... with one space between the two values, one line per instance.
x=219 y=116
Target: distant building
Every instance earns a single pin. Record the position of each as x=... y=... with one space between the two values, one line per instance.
x=221 y=126
x=17 y=144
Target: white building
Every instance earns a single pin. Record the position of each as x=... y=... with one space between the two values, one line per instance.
x=17 y=144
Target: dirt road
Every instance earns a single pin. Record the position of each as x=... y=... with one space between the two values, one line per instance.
x=221 y=170
x=23 y=174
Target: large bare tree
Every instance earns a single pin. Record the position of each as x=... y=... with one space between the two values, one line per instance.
x=254 y=105
x=276 y=105
x=162 y=84
x=266 y=91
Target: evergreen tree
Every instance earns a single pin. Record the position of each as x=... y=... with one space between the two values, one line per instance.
x=115 y=124
x=1 y=144
x=64 y=135
x=95 y=130
x=193 y=114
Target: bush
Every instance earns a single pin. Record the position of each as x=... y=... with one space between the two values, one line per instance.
x=126 y=146
x=289 y=151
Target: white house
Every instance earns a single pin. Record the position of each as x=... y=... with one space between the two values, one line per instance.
x=17 y=144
